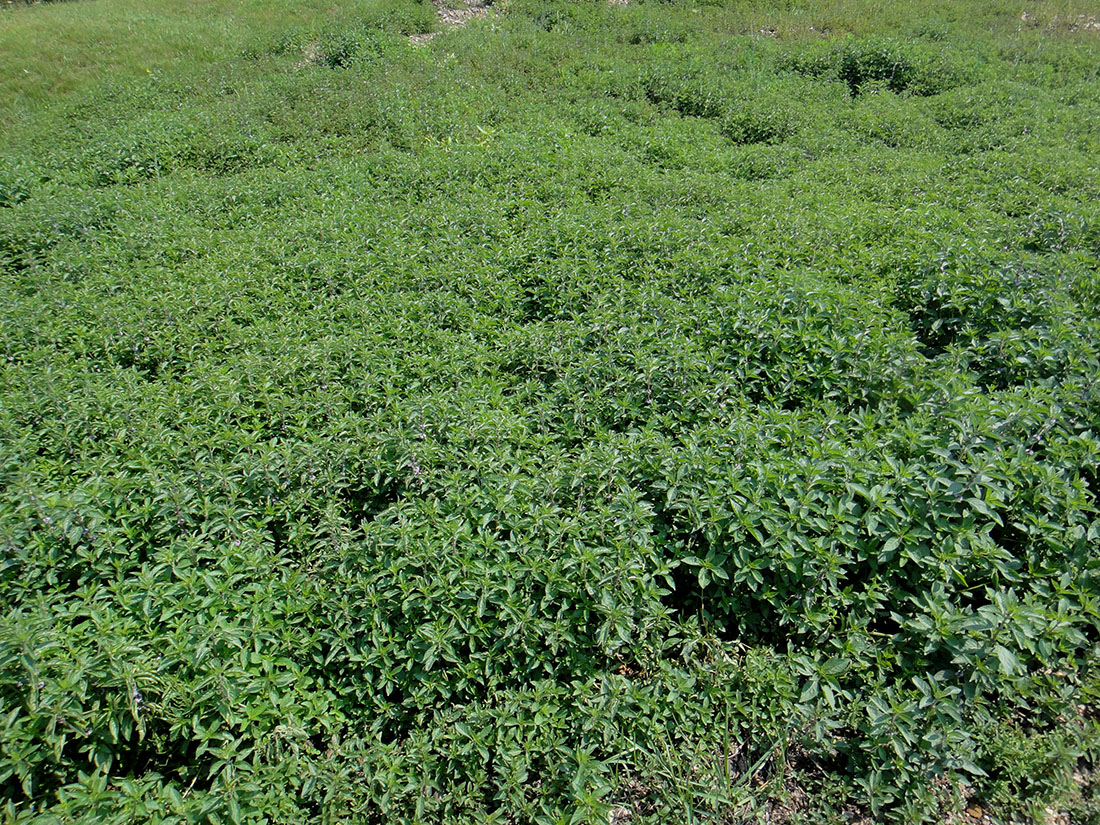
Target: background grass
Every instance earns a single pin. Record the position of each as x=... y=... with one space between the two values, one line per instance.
x=679 y=409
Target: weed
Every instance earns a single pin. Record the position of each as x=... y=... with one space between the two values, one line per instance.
x=677 y=409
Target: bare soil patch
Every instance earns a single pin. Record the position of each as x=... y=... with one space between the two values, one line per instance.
x=453 y=16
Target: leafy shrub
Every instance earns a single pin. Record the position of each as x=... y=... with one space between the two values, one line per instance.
x=1017 y=322
x=647 y=25
x=880 y=115
x=555 y=16
x=761 y=161
x=687 y=86
x=364 y=37
x=762 y=113
x=1058 y=231
x=34 y=228
x=915 y=68
x=14 y=188
x=552 y=426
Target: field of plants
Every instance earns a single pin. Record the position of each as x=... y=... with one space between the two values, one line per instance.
x=656 y=412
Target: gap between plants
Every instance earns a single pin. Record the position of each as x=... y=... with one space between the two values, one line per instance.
x=453 y=17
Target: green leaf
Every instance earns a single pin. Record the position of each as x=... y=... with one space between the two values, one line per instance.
x=809 y=691
x=979 y=505
x=1007 y=660
x=174 y=797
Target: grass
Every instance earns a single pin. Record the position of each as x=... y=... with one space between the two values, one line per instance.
x=56 y=50
x=680 y=409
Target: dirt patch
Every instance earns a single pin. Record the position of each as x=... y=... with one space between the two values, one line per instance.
x=1080 y=23
x=452 y=16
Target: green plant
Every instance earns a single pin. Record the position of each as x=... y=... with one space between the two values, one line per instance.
x=675 y=409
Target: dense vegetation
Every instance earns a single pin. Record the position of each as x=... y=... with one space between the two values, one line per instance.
x=669 y=411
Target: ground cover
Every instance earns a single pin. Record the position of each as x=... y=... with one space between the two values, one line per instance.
x=659 y=412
